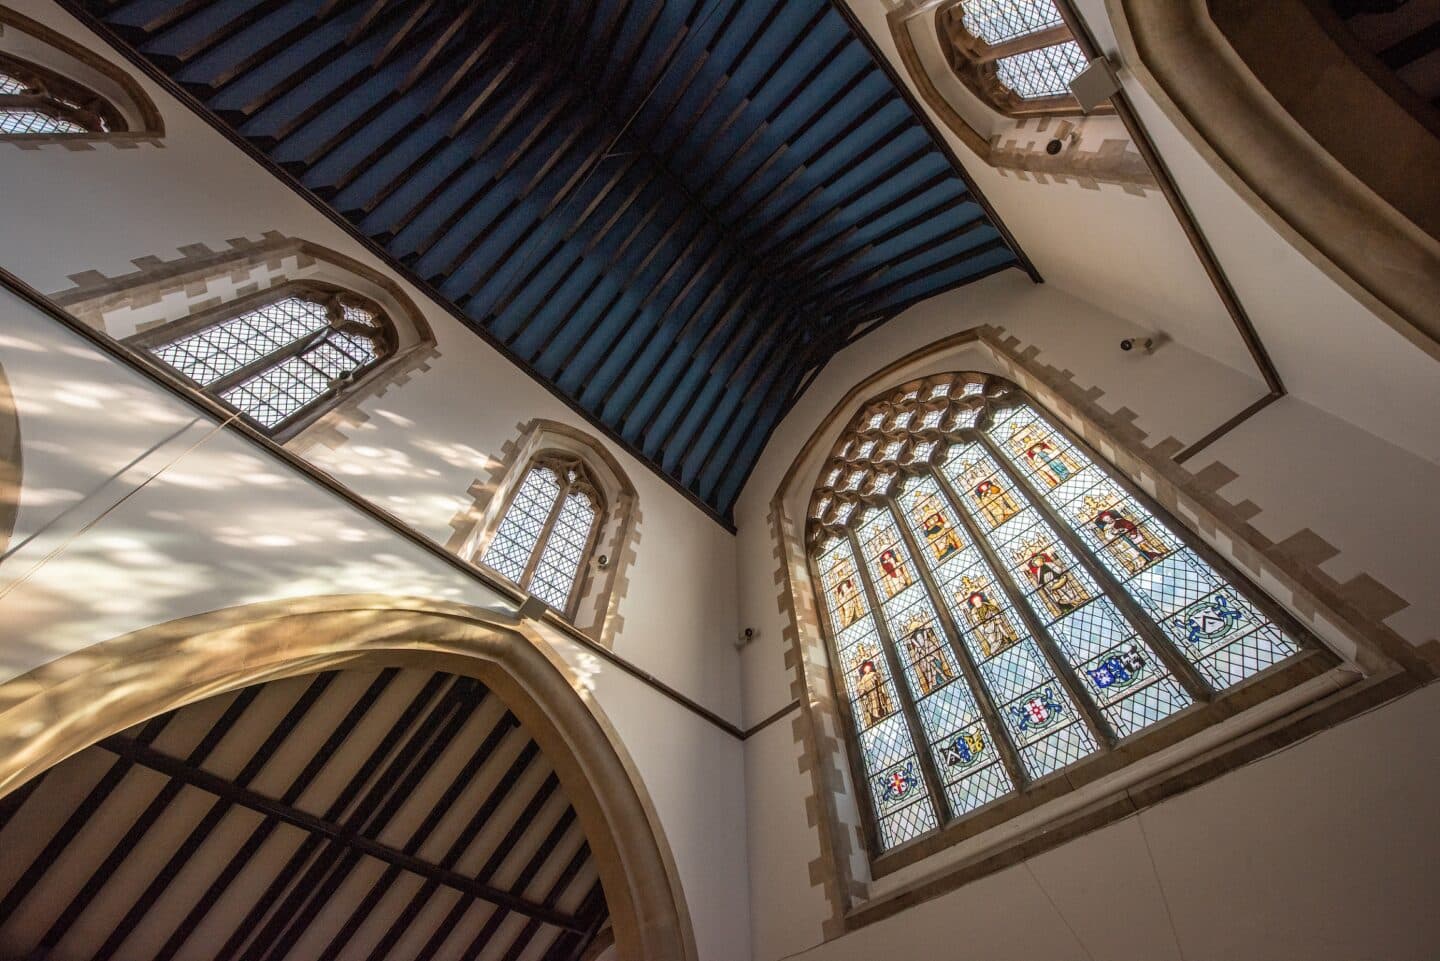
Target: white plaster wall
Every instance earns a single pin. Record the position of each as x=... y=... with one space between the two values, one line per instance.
x=424 y=442
x=205 y=521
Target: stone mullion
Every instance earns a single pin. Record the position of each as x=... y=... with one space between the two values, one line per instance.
x=1010 y=756
x=860 y=772
x=1182 y=669
x=908 y=710
x=1089 y=709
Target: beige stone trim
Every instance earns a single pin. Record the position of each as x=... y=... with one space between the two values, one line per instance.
x=11 y=466
x=63 y=707
x=1390 y=663
x=1384 y=252
x=1112 y=162
x=151 y=126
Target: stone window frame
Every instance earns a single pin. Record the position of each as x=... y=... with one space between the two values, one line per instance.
x=1376 y=665
x=186 y=290
x=334 y=298
x=973 y=61
x=599 y=588
x=833 y=508
x=58 y=97
x=71 y=70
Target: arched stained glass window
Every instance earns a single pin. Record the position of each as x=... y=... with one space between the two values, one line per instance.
x=1004 y=607
x=34 y=100
x=276 y=359
x=1018 y=55
x=548 y=530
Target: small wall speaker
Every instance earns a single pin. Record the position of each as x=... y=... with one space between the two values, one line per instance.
x=1095 y=85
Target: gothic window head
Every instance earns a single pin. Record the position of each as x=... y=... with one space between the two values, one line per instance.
x=548 y=530
x=1016 y=55
x=278 y=358
x=1005 y=609
x=37 y=101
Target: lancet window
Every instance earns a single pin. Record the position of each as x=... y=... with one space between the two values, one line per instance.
x=1017 y=55
x=1003 y=607
x=278 y=358
x=34 y=100
x=549 y=530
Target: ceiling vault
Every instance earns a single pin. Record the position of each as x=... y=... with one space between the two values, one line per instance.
x=672 y=214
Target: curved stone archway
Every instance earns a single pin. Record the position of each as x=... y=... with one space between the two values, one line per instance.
x=65 y=706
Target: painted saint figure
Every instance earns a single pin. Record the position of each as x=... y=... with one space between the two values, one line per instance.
x=997 y=506
x=939 y=533
x=932 y=668
x=1061 y=592
x=849 y=608
x=870 y=690
x=1045 y=460
x=894 y=572
x=985 y=617
x=1128 y=542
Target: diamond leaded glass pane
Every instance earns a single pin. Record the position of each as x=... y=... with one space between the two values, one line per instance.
x=564 y=550
x=1045 y=72
x=1211 y=623
x=10 y=86
x=995 y=21
x=221 y=349
x=509 y=551
x=18 y=120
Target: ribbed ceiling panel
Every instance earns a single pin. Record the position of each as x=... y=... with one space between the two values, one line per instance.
x=671 y=212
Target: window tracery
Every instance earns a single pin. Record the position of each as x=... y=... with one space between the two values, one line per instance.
x=548 y=530
x=1016 y=55
x=1002 y=606
x=38 y=101
x=277 y=358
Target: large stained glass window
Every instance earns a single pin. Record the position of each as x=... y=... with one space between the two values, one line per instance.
x=1004 y=607
x=548 y=530
x=277 y=360
x=34 y=100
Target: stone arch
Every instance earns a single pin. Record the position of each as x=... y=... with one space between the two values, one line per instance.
x=10 y=464
x=73 y=702
x=135 y=118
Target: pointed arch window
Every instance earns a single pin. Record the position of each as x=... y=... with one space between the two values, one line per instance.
x=1016 y=55
x=549 y=530
x=1004 y=609
x=279 y=357
x=37 y=101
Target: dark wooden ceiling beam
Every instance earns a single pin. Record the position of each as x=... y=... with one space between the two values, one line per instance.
x=486 y=935
x=261 y=833
x=335 y=833
x=229 y=28
x=557 y=890
x=866 y=302
x=837 y=288
x=413 y=714
x=181 y=856
x=478 y=821
x=29 y=879
x=333 y=859
x=220 y=82
x=571 y=946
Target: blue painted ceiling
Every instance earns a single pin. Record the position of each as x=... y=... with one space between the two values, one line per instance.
x=673 y=212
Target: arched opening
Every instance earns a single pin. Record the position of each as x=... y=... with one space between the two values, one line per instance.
x=60 y=710
x=54 y=90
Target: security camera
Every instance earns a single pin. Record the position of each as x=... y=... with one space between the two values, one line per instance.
x=1129 y=343
x=746 y=636
x=1054 y=146
x=603 y=561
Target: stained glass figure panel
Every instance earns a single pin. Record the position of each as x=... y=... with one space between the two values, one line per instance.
x=1194 y=605
x=1045 y=72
